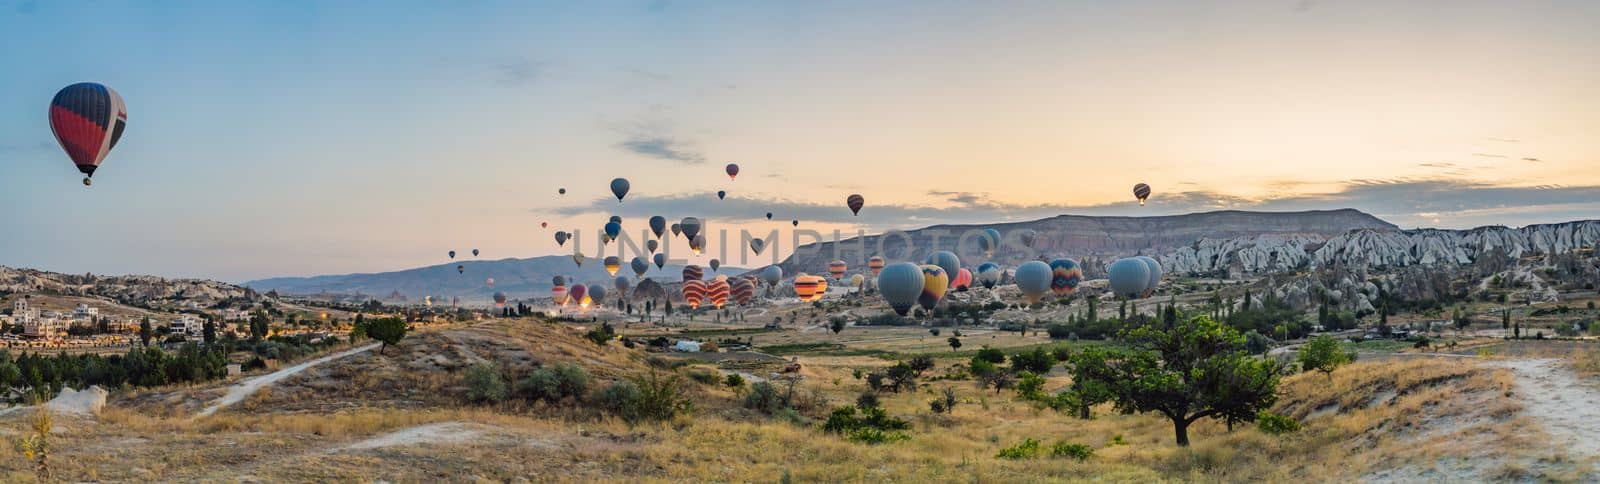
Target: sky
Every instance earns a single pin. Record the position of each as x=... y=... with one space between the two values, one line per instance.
x=298 y=138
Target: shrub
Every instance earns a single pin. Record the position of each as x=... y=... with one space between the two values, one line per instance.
x=733 y=381
x=1275 y=424
x=619 y=397
x=1028 y=449
x=764 y=398
x=659 y=399
x=705 y=377
x=1037 y=361
x=556 y=383
x=991 y=355
x=869 y=435
x=1072 y=451
x=1323 y=354
x=1030 y=386
x=921 y=363
x=1061 y=353
x=484 y=384
x=867 y=399
x=601 y=334
x=874 y=426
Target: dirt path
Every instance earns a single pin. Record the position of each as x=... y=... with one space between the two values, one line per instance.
x=237 y=393
x=1567 y=407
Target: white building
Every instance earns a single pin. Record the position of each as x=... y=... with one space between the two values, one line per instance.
x=85 y=312
x=687 y=346
x=189 y=325
x=22 y=313
x=236 y=315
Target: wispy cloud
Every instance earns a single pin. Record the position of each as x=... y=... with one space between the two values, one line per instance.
x=1530 y=158
x=662 y=147
x=1489 y=155
x=1505 y=140
x=517 y=72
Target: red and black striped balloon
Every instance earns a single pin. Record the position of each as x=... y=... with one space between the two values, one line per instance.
x=87 y=119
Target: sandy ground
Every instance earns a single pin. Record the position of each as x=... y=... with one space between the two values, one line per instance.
x=237 y=393
x=434 y=433
x=1567 y=407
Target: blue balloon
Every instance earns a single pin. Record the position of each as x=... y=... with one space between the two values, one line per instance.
x=1033 y=278
x=619 y=187
x=901 y=285
x=1129 y=277
x=988 y=274
x=613 y=229
x=948 y=261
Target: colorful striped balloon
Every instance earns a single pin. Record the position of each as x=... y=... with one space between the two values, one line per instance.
x=694 y=290
x=836 y=268
x=1141 y=191
x=558 y=295
x=963 y=280
x=717 y=292
x=809 y=287
x=87 y=119
x=934 y=283
x=1065 y=274
x=743 y=290
x=875 y=264
x=692 y=272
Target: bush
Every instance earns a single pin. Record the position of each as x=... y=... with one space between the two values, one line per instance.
x=1028 y=449
x=1037 y=361
x=601 y=334
x=619 y=397
x=991 y=355
x=867 y=399
x=484 y=384
x=705 y=377
x=658 y=399
x=1073 y=451
x=1275 y=424
x=764 y=398
x=733 y=381
x=874 y=426
x=555 y=384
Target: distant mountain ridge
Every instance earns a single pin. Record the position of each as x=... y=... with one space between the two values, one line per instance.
x=517 y=278
x=1092 y=239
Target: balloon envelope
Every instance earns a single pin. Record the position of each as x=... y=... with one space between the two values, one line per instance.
x=875 y=264
x=558 y=295
x=691 y=227
x=692 y=272
x=87 y=119
x=558 y=281
x=756 y=245
x=743 y=290
x=721 y=194
x=693 y=291
x=1033 y=278
x=989 y=241
x=988 y=275
x=934 y=282
x=1155 y=274
x=836 y=269
x=613 y=263
x=1141 y=192
x=855 y=202
x=714 y=264
x=639 y=266
x=901 y=283
x=651 y=246
x=613 y=229
x=946 y=260
x=452 y=254
x=579 y=293
x=717 y=292
x=622 y=283
x=963 y=280
x=1028 y=236
x=619 y=187
x=561 y=241
x=660 y=260
x=732 y=170
x=772 y=275
x=1065 y=274
x=658 y=225
x=1129 y=277
x=597 y=293
x=499 y=299
x=810 y=288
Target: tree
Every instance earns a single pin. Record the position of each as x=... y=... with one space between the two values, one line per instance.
x=1505 y=319
x=259 y=325
x=1094 y=312
x=1196 y=369
x=387 y=330
x=1038 y=361
x=837 y=325
x=210 y=332
x=955 y=343
x=1322 y=354
x=145 y=331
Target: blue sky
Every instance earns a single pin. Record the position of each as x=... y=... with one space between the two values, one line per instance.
x=281 y=138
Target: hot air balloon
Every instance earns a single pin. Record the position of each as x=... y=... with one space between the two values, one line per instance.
x=579 y=293
x=615 y=218
x=677 y=229
x=756 y=245
x=988 y=275
x=651 y=245
x=562 y=191
x=489 y=282
x=809 y=287
x=717 y=292
x=1065 y=274
x=612 y=264
x=769 y=215
x=660 y=260
x=698 y=244
x=1028 y=236
x=1130 y=277
x=742 y=290
x=1033 y=278
x=658 y=226
x=544 y=225
x=474 y=252
x=622 y=283
x=619 y=187
x=934 y=282
x=693 y=291
x=452 y=254
x=597 y=293
x=558 y=281
x=875 y=264
x=946 y=260
x=857 y=280
x=1141 y=192
x=499 y=299
x=88 y=120
x=901 y=283
x=772 y=275
x=721 y=194
x=963 y=280
x=733 y=171
x=639 y=266
x=989 y=241
x=795 y=222
x=836 y=269
x=693 y=272
x=1155 y=274
x=714 y=265
x=461 y=269
x=577 y=258
x=854 y=202
x=561 y=239
x=691 y=227
x=613 y=229
x=558 y=295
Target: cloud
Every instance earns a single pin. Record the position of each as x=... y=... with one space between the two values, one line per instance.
x=518 y=72
x=1505 y=140
x=1407 y=202
x=1530 y=158
x=662 y=147
x=1488 y=155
